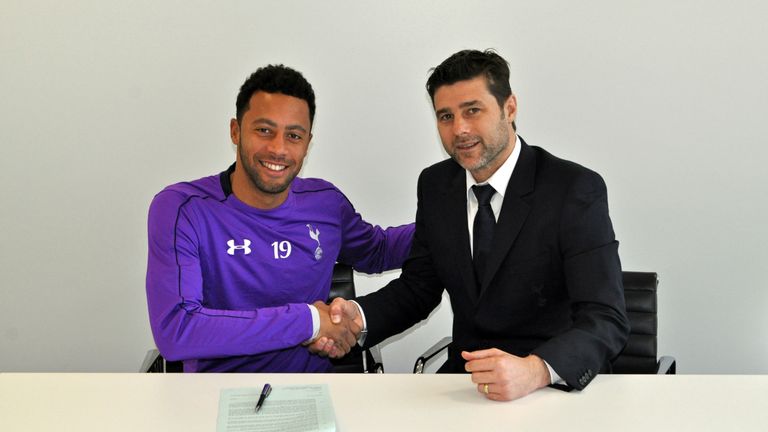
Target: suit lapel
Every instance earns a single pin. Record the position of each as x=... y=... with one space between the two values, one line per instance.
x=455 y=211
x=513 y=213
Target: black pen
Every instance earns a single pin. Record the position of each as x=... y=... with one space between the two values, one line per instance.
x=264 y=393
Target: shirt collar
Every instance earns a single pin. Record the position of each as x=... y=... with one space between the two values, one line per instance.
x=500 y=179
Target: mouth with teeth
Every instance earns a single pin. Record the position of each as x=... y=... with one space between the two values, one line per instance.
x=273 y=166
x=466 y=145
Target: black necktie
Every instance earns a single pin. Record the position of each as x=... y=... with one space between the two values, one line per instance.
x=482 y=231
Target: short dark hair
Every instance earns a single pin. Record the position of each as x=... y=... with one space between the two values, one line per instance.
x=469 y=64
x=276 y=79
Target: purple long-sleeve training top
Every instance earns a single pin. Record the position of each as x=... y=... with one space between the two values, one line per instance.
x=228 y=285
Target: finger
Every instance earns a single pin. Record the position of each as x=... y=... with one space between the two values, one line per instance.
x=329 y=344
x=473 y=355
x=337 y=309
x=317 y=344
x=337 y=354
x=492 y=389
x=481 y=365
x=350 y=339
x=354 y=328
x=325 y=345
x=483 y=377
x=350 y=310
x=343 y=348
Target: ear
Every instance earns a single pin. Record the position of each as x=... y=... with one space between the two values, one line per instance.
x=510 y=105
x=234 y=131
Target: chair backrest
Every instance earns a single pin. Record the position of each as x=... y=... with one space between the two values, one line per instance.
x=343 y=285
x=342 y=282
x=640 y=354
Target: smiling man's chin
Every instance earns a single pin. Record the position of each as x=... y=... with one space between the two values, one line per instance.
x=263 y=183
x=273 y=187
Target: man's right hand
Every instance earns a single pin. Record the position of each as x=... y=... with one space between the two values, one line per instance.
x=340 y=325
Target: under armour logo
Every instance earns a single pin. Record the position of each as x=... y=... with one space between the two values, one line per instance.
x=245 y=247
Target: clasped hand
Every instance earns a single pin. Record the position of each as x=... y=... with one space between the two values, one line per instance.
x=502 y=376
x=340 y=325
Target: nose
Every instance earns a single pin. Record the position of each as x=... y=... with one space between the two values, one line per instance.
x=460 y=126
x=276 y=145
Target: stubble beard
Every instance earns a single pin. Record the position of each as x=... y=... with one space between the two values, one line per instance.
x=251 y=171
x=491 y=151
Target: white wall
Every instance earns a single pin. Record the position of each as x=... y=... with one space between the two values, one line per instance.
x=104 y=103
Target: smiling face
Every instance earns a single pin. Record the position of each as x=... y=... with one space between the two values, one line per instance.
x=272 y=140
x=475 y=131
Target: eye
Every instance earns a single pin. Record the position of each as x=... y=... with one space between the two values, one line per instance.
x=295 y=137
x=263 y=131
x=445 y=117
x=473 y=111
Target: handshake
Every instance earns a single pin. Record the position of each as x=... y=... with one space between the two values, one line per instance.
x=340 y=326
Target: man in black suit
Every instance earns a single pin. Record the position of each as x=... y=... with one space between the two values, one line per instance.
x=530 y=263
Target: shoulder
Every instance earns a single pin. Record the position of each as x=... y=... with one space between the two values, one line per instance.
x=557 y=177
x=319 y=195
x=552 y=168
x=318 y=192
x=176 y=195
x=440 y=172
x=313 y=185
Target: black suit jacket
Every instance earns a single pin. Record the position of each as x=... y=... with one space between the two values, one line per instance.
x=553 y=283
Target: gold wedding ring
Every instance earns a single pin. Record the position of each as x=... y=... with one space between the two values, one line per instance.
x=485 y=388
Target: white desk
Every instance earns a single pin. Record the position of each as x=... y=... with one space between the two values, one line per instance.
x=394 y=402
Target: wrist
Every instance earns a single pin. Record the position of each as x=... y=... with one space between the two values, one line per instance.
x=542 y=377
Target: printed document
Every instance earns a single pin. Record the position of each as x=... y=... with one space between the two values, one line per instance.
x=287 y=409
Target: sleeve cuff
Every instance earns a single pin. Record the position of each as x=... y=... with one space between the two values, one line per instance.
x=364 y=331
x=554 y=378
x=315 y=323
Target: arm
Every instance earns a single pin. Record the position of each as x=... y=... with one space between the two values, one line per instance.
x=183 y=327
x=592 y=274
x=403 y=302
x=410 y=298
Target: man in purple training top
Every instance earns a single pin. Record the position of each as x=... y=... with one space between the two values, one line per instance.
x=240 y=263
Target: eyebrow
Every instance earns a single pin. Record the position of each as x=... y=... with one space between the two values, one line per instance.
x=264 y=120
x=299 y=128
x=271 y=123
x=469 y=103
x=461 y=105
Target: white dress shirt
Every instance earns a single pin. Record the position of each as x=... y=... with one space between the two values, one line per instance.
x=499 y=181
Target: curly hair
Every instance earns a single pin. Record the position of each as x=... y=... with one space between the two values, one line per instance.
x=275 y=79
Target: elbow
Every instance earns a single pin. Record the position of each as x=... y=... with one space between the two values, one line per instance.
x=168 y=332
x=169 y=349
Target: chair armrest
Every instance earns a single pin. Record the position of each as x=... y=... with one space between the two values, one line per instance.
x=435 y=349
x=667 y=365
x=152 y=362
x=377 y=366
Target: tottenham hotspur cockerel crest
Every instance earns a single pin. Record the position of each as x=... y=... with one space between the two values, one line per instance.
x=314 y=233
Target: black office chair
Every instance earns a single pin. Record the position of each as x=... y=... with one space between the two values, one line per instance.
x=357 y=361
x=639 y=356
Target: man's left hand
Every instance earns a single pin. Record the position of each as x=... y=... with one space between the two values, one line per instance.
x=502 y=376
